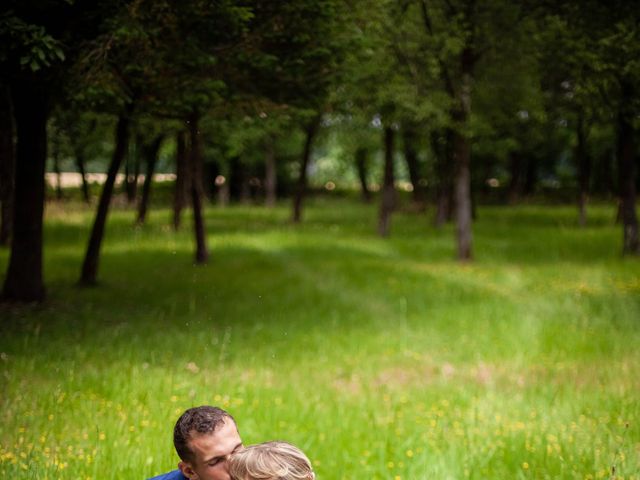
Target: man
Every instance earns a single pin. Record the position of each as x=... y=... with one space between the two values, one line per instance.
x=204 y=438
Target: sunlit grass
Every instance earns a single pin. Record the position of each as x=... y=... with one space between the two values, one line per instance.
x=382 y=359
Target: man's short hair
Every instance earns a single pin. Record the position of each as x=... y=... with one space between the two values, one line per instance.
x=199 y=421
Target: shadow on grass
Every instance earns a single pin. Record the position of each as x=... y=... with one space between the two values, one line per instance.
x=263 y=269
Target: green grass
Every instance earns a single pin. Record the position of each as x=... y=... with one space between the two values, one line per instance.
x=382 y=359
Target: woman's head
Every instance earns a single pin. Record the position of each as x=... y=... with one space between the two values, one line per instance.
x=271 y=461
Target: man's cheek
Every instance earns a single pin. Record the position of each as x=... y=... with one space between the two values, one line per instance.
x=220 y=472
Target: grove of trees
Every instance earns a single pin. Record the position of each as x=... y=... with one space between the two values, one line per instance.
x=459 y=98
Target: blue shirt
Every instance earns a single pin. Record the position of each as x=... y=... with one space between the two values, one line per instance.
x=175 y=475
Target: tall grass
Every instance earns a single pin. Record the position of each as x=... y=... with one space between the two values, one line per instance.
x=382 y=359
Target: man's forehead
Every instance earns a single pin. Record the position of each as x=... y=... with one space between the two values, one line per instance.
x=218 y=442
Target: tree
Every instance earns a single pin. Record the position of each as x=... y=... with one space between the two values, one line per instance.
x=271 y=173
x=361 y=155
x=300 y=49
x=7 y=165
x=150 y=152
x=80 y=130
x=373 y=94
x=23 y=40
x=310 y=133
x=24 y=275
x=39 y=40
x=201 y=44
x=464 y=35
x=457 y=71
x=195 y=160
x=388 y=201
x=117 y=82
x=254 y=144
x=89 y=272
x=570 y=83
x=182 y=179
x=610 y=32
x=626 y=166
x=161 y=61
x=132 y=165
x=441 y=145
x=410 y=143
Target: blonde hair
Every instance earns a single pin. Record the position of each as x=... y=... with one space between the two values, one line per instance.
x=270 y=461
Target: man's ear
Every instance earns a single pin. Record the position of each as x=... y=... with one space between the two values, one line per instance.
x=187 y=471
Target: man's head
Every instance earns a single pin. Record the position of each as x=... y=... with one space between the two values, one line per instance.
x=204 y=438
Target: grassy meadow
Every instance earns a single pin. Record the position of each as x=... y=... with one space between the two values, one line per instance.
x=381 y=358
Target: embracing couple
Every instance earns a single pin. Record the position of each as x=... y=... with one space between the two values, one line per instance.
x=209 y=446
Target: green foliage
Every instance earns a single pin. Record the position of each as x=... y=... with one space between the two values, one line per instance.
x=75 y=132
x=30 y=44
x=598 y=43
x=537 y=67
x=299 y=51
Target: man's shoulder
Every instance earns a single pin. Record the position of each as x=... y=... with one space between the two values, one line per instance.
x=175 y=475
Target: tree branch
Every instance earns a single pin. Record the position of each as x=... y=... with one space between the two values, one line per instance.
x=429 y=28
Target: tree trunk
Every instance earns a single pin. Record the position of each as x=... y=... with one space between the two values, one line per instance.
x=474 y=205
x=224 y=195
x=462 y=156
x=583 y=163
x=90 y=265
x=608 y=175
x=136 y=173
x=132 y=171
x=603 y=174
x=618 y=219
x=245 y=186
x=182 y=179
x=388 y=200
x=443 y=207
x=126 y=186
x=515 y=182
x=211 y=171
x=23 y=281
x=462 y=192
x=411 y=157
x=442 y=146
x=236 y=177
x=78 y=141
x=270 y=176
x=80 y=161
x=301 y=187
x=626 y=171
x=55 y=154
x=151 y=158
x=531 y=176
x=196 y=160
x=361 y=166
x=7 y=165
